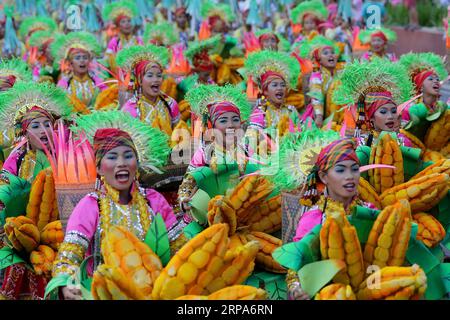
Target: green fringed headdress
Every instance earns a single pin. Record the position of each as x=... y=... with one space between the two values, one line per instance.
x=314 y=7
x=221 y=10
x=62 y=45
x=32 y=24
x=196 y=47
x=128 y=58
x=307 y=48
x=283 y=45
x=360 y=78
x=416 y=63
x=188 y=83
x=15 y=102
x=151 y=144
x=293 y=166
x=15 y=67
x=38 y=38
x=164 y=33
x=122 y=8
x=365 y=35
x=263 y=61
x=204 y=95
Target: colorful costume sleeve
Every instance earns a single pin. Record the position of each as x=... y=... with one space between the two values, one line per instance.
x=80 y=231
x=130 y=107
x=112 y=46
x=257 y=118
x=99 y=82
x=198 y=160
x=63 y=82
x=10 y=164
x=307 y=222
x=174 y=112
x=139 y=41
x=160 y=205
x=316 y=93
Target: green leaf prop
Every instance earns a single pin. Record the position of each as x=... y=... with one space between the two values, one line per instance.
x=411 y=161
x=9 y=257
x=158 y=240
x=274 y=284
x=54 y=283
x=363 y=218
x=14 y=196
x=41 y=163
x=215 y=183
x=192 y=229
x=314 y=276
x=199 y=206
x=295 y=255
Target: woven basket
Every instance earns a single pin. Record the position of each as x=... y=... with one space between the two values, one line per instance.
x=291 y=211
x=172 y=176
x=68 y=197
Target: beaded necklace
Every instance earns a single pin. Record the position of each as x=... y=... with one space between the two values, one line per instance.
x=155 y=114
x=83 y=88
x=26 y=169
x=133 y=216
x=328 y=205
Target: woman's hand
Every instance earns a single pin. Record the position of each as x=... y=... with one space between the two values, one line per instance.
x=295 y=292
x=72 y=293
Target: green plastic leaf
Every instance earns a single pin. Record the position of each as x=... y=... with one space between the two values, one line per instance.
x=9 y=257
x=199 y=206
x=158 y=240
x=274 y=284
x=411 y=161
x=435 y=115
x=54 y=283
x=192 y=229
x=14 y=196
x=295 y=255
x=314 y=276
x=363 y=218
x=41 y=162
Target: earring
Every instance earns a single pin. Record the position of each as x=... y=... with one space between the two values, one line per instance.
x=325 y=192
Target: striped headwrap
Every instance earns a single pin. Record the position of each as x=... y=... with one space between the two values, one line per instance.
x=217 y=109
x=109 y=138
x=268 y=77
x=337 y=151
x=420 y=78
x=375 y=100
x=32 y=114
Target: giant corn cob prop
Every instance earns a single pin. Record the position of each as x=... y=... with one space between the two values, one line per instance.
x=208 y=265
x=394 y=283
x=438 y=134
x=441 y=166
x=42 y=207
x=22 y=233
x=266 y=217
x=336 y=291
x=367 y=193
x=237 y=292
x=338 y=240
x=42 y=260
x=386 y=151
x=52 y=234
x=388 y=240
x=430 y=155
x=430 y=232
x=422 y=193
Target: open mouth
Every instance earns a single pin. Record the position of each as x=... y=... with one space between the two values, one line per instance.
x=331 y=60
x=44 y=140
x=390 y=124
x=155 y=88
x=82 y=66
x=122 y=176
x=350 y=187
x=436 y=87
x=279 y=95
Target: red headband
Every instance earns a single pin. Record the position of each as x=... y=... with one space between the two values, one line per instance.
x=217 y=109
x=268 y=77
x=316 y=20
x=266 y=36
x=379 y=34
x=120 y=17
x=337 y=151
x=420 y=78
x=376 y=100
x=32 y=114
x=109 y=138
x=180 y=10
x=316 y=52
x=140 y=68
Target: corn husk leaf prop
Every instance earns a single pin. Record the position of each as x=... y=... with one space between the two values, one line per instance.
x=74 y=40
x=151 y=144
x=360 y=78
x=14 y=194
x=307 y=48
x=129 y=57
x=32 y=24
x=260 y=62
x=365 y=35
x=15 y=67
x=222 y=10
x=163 y=33
x=314 y=7
x=113 y=10
x=18 y=100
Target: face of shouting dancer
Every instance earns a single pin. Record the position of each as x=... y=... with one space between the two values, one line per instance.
x=378 y=45
x=386 y=118
x=342 y=180
x=309 y=23
x=276 y=92
x=269 y=43
x=118 y=167
x=328 y=58
x=228 y=125
x=431 y=86
x=126 y=27
x=37 y=132
x=80 y=63
x=152 y=81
